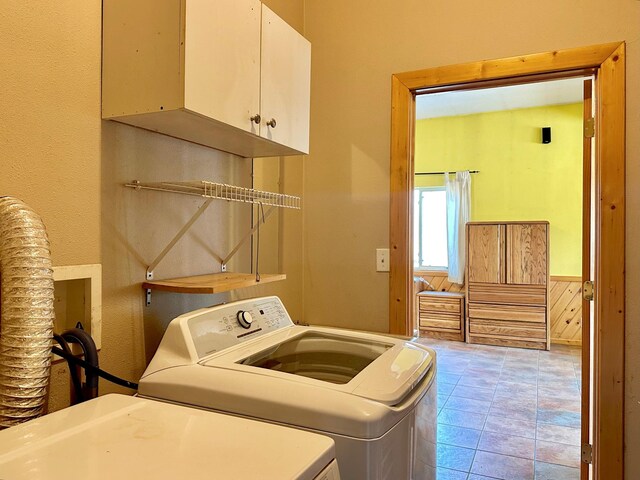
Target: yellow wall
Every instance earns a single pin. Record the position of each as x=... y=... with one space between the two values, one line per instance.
x=357 y=46
x=520 y=178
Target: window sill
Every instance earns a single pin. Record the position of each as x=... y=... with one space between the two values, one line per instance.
x=431 y=271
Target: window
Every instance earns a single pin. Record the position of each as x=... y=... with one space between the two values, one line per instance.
x=430 y=228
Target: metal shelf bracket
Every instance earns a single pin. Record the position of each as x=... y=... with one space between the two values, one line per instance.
x=261 y=219
x=177 y=237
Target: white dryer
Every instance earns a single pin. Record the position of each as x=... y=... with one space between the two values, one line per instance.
x=117 y=436
x=375 y=396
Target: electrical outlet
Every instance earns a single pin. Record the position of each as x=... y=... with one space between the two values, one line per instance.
x=382 y=259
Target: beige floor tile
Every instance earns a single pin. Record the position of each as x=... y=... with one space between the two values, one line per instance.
x=558 y=453
x=507 y=445
x=500 y=393
x=502 y=466
x=558 y=433
x=510 y=426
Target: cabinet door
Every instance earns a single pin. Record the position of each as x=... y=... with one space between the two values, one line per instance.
x=222 y=60
x=486 y=253
x=527 y=254
x=285 y=85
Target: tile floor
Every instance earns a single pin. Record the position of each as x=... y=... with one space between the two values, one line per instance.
x=507 y=413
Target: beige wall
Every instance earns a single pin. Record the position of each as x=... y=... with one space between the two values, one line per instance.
x=357 y=45
x=282 y=248
x=281 y=237
x=50 y=127
x=291 y=11
x=61 y=159
x=137 y=225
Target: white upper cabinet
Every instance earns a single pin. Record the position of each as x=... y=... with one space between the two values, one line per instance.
x=222 y=60
x=286 y=75
x=229 y=74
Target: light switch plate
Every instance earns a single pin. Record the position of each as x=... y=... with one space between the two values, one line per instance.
x=382 y=259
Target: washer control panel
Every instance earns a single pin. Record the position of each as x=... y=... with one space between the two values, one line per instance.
x=223 y=326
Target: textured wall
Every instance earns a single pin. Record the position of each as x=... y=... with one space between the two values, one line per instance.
x=137 y=225
x=60 y=158
x=357 y=45
x=50 y=127
x=282 y=248
x=520 y=177
x=50 y=119
x=291 y=11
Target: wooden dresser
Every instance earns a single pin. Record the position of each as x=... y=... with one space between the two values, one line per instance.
x=441 y=315
x=508 y=284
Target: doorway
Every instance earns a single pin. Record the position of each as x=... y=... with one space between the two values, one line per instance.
x=508 y=407
x=606 y=62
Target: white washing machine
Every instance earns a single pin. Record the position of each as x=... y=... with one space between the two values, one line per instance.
x=118 y=436
x=374 y=395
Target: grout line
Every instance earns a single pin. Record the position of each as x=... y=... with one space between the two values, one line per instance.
x=473 y=460
x=506 y=454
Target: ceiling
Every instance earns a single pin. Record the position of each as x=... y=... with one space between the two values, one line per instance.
x=465 y=102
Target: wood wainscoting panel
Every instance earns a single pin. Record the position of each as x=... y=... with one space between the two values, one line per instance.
x=564 y=298
x=566 y=310
x=439 y=282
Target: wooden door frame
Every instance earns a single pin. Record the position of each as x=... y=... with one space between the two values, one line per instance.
x=607 y=63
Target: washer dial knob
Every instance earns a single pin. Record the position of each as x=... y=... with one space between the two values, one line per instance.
x=244 y=319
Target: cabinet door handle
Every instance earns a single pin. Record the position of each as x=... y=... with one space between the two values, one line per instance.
x=272 y=123
x=256 y=118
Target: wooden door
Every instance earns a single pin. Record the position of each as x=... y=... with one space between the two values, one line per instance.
x=486 y=253
x=222 y=60
x=527 y=254
x=587 y=271
x=285 y=83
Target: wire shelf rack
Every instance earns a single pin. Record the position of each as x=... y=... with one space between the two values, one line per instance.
x=223 y=281
x=222 y=191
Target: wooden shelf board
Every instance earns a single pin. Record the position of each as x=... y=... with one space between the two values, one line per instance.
x=213 y=283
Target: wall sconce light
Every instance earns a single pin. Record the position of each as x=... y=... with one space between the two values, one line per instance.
x=546 y=134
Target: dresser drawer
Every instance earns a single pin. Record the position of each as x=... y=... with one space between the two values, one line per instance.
x=446 y=322
x=435 y=304
x=509 y=294
x=507 y=341
x=450 y=302
x=441 y=315
x=502 y=329
x=512 y=313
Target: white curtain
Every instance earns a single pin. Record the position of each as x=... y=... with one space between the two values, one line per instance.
x=458 y=214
